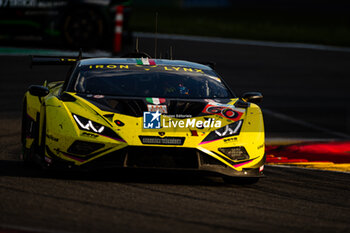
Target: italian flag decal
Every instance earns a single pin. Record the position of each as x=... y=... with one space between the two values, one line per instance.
x=155 y=100
x=145 y=62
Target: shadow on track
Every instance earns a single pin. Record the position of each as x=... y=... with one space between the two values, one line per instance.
x=122 y=175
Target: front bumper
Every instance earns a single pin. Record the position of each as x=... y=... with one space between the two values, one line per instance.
x=164 y=158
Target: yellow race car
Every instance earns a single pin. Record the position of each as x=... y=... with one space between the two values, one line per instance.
x=143 y=113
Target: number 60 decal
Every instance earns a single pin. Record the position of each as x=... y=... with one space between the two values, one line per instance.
x=226 y=112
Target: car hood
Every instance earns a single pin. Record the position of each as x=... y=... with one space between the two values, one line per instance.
x=180 y=108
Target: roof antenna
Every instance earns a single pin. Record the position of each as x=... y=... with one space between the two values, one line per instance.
x=155 y=37
x=171 y=52
x=137 y=45
x=80 y=56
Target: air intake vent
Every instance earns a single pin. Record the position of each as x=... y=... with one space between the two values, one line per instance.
x=84 y=148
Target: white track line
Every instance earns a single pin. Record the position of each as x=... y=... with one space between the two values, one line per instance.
x=304 y=168
x=305 y=124
x=280 y=141
x=242 y=42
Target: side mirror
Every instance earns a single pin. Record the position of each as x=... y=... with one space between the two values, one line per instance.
x=253 y=97
x=38 y=90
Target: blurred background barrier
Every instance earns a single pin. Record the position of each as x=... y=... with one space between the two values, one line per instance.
x=302 y=21
x=71 y=24
x=68 y=24
x=306 y=4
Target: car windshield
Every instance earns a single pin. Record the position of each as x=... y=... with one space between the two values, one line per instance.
x=166 y=83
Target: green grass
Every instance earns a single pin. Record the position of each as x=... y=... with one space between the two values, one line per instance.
x=259 y=24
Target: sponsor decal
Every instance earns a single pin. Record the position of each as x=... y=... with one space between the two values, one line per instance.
x=156 y=101
x=182 y=69
x=151 y=120
x=229 y=112
x=227 y=103
x=109 y=66
x=162 y=141
x=229 y=139
x=68 y=59
x=149 y=64
x=89 y=134
x=145 y=61
x=191 y=123
x=180 y=116
x=155 y=108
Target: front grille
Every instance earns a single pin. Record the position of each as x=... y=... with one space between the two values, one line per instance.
x=159 y=157
x=162 y=141
x=209 y=160
x=113 y=159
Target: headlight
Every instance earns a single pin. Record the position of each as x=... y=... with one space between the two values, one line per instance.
x=226 y=131
x=86 y=124
x=229 y=130
x=89 y=125
x=235 y=153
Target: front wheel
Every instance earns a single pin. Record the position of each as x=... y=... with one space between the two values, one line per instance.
x=27 y=127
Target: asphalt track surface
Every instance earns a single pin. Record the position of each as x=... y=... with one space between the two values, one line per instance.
x=302 y=84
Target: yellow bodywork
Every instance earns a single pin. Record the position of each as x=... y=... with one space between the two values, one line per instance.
x=61 y=130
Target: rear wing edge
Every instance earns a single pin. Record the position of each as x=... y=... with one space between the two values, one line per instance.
x=51 y=60
x=46 y=60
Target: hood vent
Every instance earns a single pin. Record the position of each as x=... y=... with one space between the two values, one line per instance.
x=109 y=117
x=67 y=97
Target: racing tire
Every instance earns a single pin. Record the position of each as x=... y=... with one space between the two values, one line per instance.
x=24 y=124
x=39 y=155
x=28 y=128
x=83 y=28
x=25 y=151
x=43 y=141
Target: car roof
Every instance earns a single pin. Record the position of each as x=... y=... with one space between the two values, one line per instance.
x=134 y=61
